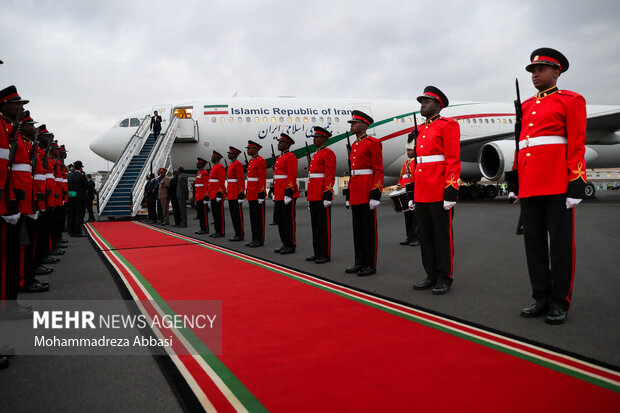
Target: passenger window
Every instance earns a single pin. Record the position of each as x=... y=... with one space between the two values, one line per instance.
x=248 y=119
x=239 y=119
x=213 y=119
x=290 y=120
x=124 y=123
x=321 y=119
x=337 y=119
x=281 y=119
x=134 y=122
x=297 y=119
x=313 y=119
x=231 y=119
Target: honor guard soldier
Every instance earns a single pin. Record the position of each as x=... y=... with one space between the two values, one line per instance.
x=217 y=189
x=285 y=194
x=406 y=178
x=365 y=188
x=321 y=177
x=201 y=195
x=235 y=187
x=437 y=170
x=551 y=145
x=256 y=193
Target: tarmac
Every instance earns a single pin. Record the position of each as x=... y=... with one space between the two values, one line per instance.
x=490 y=286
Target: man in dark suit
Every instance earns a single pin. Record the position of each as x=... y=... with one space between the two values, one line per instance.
x=172 y=194
x=156 y=124
x=78 y=194
x=91 y=197
x=182 y=193
x=150 y=190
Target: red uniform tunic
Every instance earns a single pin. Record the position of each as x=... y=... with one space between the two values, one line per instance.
x=58 y=199
x=21 y=178
x=285 y=176
x=322 y=175
x=438 y=137
x=217 y=181
x=547 y=168
x=406 y=173
x=50 y=184
x=5 y=133
x=236 y=180
x=257 y=178
x=201 y=185
x=65 y=184
x=39 y=181
x=366 y=169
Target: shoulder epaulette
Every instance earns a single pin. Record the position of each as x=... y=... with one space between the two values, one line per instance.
x=568 y=93
x=527 y=100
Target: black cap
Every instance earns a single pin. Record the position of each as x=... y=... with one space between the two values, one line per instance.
x=216 y=153
x=202 y=160
x=285 y=138
x=547 y=56
x=252 y=144
x=232 y=149
x=359 y=116
x=321 y=132
x=10 y=94
x=434 y=93
x=27 y=118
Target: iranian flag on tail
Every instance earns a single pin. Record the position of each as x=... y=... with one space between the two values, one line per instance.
x=216 y=109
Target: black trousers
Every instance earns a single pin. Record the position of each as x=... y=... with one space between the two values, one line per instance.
x=202 y=215
x=89 y=208
x=27 y=254
x=364 y=235
x=321 y=222
x=549 y=236
x=182 y=211
x=152 y=210
x=44 y=238
x=175 y=210
x=411 y=225
x=236 y=215
x=76 y=217
x=257 y=221
x=59 y=219
x=9 y=262
x=286 y=222
x=436 y=243
x=217 y=209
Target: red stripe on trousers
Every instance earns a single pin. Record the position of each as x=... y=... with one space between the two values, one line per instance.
x=374 y=263
x=293 y=220
x=572 y=272
x=241 y=218
x=329 y=234
x=22 y=276
x=3 y=266
x=262 y=209
x=206 y=217
x=451 y=242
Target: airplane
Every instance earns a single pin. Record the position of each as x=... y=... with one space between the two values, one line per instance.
x=487 y=131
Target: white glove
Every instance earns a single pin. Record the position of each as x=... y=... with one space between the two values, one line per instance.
x=218 y=199
x=411 y=205
x=287 y=200
x=447 y=205
x=347 y=204
x=35 y=215
x=373 y=204
x=326 y=203
x=572 y=202
x=514 y=197
x=240 y=201
x=308 y=205
x=205 y=202
x=260 y=201
x=11 y=219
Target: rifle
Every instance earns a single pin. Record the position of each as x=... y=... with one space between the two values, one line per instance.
x=273 y=155
x=308 y=157
x=345 y=191
x=513 y=176
x=245 y=167
x=410 y=187
x=16 y=128
x=33 y=161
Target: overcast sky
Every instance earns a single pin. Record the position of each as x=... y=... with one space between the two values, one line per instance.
x=85 y=64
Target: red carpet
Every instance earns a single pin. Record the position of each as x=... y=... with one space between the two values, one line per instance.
x=293 y=343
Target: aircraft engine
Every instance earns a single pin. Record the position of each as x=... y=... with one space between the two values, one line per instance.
x=495 y=158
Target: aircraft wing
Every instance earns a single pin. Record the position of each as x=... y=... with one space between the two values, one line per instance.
x=607 y=121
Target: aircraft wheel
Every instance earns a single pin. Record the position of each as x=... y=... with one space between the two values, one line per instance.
x=590 y=191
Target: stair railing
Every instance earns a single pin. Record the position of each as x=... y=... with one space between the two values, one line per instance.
x=133 y=147
x=158 y=158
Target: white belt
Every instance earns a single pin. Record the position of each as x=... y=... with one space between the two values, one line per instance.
x=280 y=176
x=199 y=185
x=405 y=176
x=21 y=167
x=39 y=177
x=58 y=179
x=4 y=153
x=542 y=140
x=214 y=180
x=431 y=158
x=64 y=180
x=250 y=179
x=49 y=176
x=355 y=172
x=316 y=176
x=232 y=180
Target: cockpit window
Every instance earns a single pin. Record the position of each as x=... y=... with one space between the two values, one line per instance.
x=134 y=122
x=124 y=123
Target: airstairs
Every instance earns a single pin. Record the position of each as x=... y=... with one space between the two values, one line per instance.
x=123 y=191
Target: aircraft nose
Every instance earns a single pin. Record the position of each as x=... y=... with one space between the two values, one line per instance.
x=97 y=145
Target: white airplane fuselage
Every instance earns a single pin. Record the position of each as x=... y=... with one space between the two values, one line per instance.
x=217 y=123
